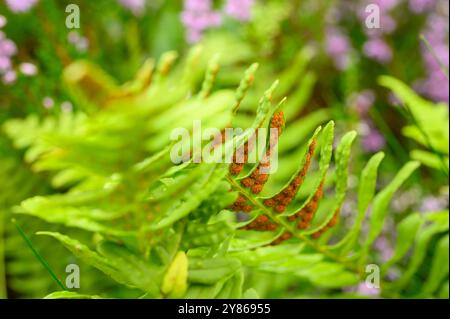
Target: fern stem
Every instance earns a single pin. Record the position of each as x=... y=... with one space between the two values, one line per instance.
x=37 y=255
x=289 y=228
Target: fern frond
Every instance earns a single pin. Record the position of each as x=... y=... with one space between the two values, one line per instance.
x=165 y=229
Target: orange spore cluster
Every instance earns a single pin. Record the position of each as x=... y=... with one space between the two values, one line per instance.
x=257 y=179
x=241 y=205
x=280 y=201
x=262 y=223
x=329 y=225
x=306 y=214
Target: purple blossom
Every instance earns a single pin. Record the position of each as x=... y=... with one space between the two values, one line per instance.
x=7 y=47
x=378 y=50
x=435 y=85
x=48 y=102
x=9 y=77
x=365 y=290
x=79 y=42
x=385 y=5
x=387 y=26
x=433 y=204
x=436 y=30
x=19 y=6
x=198 y=16
x=197 y=5
x=73 y=37
x=384 y=247
x=337 y=43
x=372 y=140
x=420 y=6
x=5 y=64
x=440 y=55
x=28 y=69
x=388 y=23
x=363 y=101
x=239 y=9
x=137 y=7
x=338 y=47
x=7 y=50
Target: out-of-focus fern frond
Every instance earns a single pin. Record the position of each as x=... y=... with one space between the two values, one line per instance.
x=428 y=123
x=25 y=276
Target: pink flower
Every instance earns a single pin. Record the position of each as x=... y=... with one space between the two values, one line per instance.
x=435 y=85
x=440 y=56
x=384 y=5
x=197 y=17
x=5 y=64
x=420 y=6
x=81 y=43
x=7 y=50
x=48 y=102
x=366 y=290
x=378 y=50
x=28 y=69
x=433 y=204
x=19 y=6
x=338 y=48
x=337 y=43
x=373 y=141
x=73 y=37
x=197 y=5
x=384 y=247
x=137 y=7
x=7 y=47
x=9 y=77
x=239 y=9
x=363 y=101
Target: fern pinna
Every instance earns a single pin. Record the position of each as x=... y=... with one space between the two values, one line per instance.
x=207 y=230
